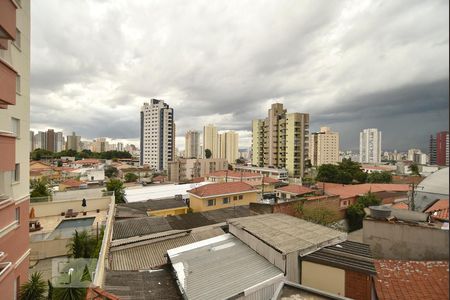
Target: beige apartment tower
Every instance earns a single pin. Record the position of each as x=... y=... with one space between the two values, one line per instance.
x=210 y=140
x=229 y=146
x=281 y=140
x=192 y=144
x=324 y=147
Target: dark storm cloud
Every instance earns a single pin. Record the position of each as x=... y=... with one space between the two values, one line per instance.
x=351 y=64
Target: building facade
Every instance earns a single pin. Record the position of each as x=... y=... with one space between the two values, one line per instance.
x=210 y=140
x=73 y=142
x=229 y=146
x=157 y=135
x=324 y=147
x=186 y=169
x=370 y=146
x=192 y=144
x=281 y=140
x=14 y=145
x=432 y=150
x=442 y=153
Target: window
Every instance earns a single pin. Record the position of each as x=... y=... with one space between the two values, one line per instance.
x=235 y=198
x=18 y=41
x=226 y=200
x=17 y=173
x=15 y=127
x=212 y=202
x=241 y=197
x=18 y=84
x=18 y=214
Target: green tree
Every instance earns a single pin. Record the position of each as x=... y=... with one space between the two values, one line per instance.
x=379 y=177
x=327 y=173
x=39 y=187
x=82 y=245
x=240 y=161
x=345 y=172
x=38 y=154
x=116 y=186
x=414 y=169
x=320 y=215
x=111 y=172
x=34 y=288
x=208 y=153
x=355 y=212
x=130 y=177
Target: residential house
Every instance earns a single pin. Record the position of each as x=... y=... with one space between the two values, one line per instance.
x=293 y=191
x=221 y=195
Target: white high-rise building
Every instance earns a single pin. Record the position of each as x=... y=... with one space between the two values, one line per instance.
x=192 y=144
x=370 y=146
x=157 y=135
x=59 y=142
x=210 y=140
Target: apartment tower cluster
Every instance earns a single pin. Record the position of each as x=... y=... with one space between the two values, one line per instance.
x=222 y=145
x=281 y=140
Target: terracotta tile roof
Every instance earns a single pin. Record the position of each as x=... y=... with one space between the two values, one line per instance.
x=267 y=180
x=214 y=189
x=295 y=189
x=89 y=161
x=198 y=179
x=159 y=178
x=348 y=191
x=410 y=280
x=400 y=205
x=439 y=210
x=234 y=174
x=72 y=183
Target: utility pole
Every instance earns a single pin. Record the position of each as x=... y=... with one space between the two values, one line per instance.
x=411 y=201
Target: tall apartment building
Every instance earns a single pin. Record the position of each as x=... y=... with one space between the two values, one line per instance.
x=210 y=140
x=281 y=140
x=40 y=140
x=60 y=144
x=324 y=147
x=229 y=146
x=157 y=135
x=192 y=144
x=185 y=169
x=442 y=153
x=120 y=146
x=100 y=145
x=73 y=142
x=14 y=145
x=51 y=140
x=370 y=146
x=432 y=150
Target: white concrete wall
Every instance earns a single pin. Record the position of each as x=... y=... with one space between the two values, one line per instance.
x=323 y=278
x=43 y=209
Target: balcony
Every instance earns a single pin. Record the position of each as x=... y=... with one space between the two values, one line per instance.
x=7 y=22
x=8 y=151
x=8 y=77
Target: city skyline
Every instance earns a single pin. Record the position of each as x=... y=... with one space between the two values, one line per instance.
x=344 y=63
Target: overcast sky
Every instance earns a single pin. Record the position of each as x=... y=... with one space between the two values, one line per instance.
x=350 y=64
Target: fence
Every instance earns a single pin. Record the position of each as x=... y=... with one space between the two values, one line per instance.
x=70 y=196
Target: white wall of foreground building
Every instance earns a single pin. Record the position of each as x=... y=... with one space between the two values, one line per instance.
x=161 y=191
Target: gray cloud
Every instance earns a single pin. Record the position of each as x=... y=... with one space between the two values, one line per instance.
x=351 y=64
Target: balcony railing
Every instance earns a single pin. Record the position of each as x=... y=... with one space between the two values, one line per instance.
x=8 y=78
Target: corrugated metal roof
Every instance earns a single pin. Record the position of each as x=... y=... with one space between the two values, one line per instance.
x=134 y=285
x=149 y=225
x=151 y=253
x=288 y=234
x=347 y=255
x=220 y=268
x=139 y=226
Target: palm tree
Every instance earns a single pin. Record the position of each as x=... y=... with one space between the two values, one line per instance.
x=34 y=288
x=39 y=187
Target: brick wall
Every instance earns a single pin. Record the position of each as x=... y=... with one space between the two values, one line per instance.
x=357 y=285
x=289 y=208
